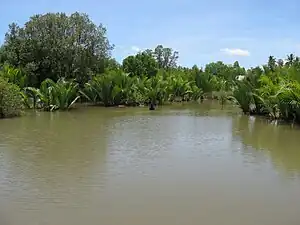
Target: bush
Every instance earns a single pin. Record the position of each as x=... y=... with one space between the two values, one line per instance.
x=10 y=99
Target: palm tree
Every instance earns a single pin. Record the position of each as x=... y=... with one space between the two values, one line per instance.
x=272 y=63
x=155 y=89
x=51 y=96
x=90 y=93
x=178 y=87
x=289 y=101
x=13 y=75
x=243 y=96
x=290 y=59
x=65 y=94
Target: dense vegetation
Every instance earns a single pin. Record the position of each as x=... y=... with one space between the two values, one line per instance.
x=10 y=99
x=56 y=60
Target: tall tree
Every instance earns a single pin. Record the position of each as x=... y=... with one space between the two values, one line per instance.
x=55 y=45
x=272 y=63
x=2 y=55
x=141 y=64
x=112 y=64
x=290 y=59
x=236 y=64
x=237 y=69
x=165 y=57
x=280 y=62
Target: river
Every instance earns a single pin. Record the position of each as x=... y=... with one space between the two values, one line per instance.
x=185 y=165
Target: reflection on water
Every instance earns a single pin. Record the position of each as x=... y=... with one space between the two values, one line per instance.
x=179 y=164
x=281 y=144
x=49 y=144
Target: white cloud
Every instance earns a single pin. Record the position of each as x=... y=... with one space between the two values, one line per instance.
x=135 y=48
x=122 y=51
x=235 y=52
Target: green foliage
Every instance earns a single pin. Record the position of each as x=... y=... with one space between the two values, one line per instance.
x=223 y=94
x=148 y=62
x=10 y=99
x=52 y=96
x=55 y=45
x=118 y=88
x=166 y=58
x=227 y=72
x=13 y=75
x=289 y=102
x=112 y=88
x=55 y=59
x=142 y=64
x=243 y=95
x=272 y=63
x=64 y=94
x=273 y=91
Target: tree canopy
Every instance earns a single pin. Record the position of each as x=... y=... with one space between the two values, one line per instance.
x=141 y=64
x=150 y=61
x=56 y=45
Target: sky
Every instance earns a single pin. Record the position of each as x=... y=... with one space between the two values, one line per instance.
x=201 y=31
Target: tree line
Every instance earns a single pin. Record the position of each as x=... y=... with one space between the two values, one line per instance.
x=55 y=60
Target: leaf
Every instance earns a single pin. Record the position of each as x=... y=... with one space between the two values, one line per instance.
x=73 y=102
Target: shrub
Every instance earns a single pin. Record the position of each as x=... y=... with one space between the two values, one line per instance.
x=10 y=99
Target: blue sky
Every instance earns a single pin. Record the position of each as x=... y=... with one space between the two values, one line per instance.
x=201 y=30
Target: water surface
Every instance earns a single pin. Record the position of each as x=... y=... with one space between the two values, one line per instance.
x=180 y=165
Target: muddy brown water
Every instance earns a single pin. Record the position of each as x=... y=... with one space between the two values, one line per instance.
x=183 y=164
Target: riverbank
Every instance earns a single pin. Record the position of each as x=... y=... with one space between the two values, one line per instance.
x=212 y=107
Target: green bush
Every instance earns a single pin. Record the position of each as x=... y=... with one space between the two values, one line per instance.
x=10 y=99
